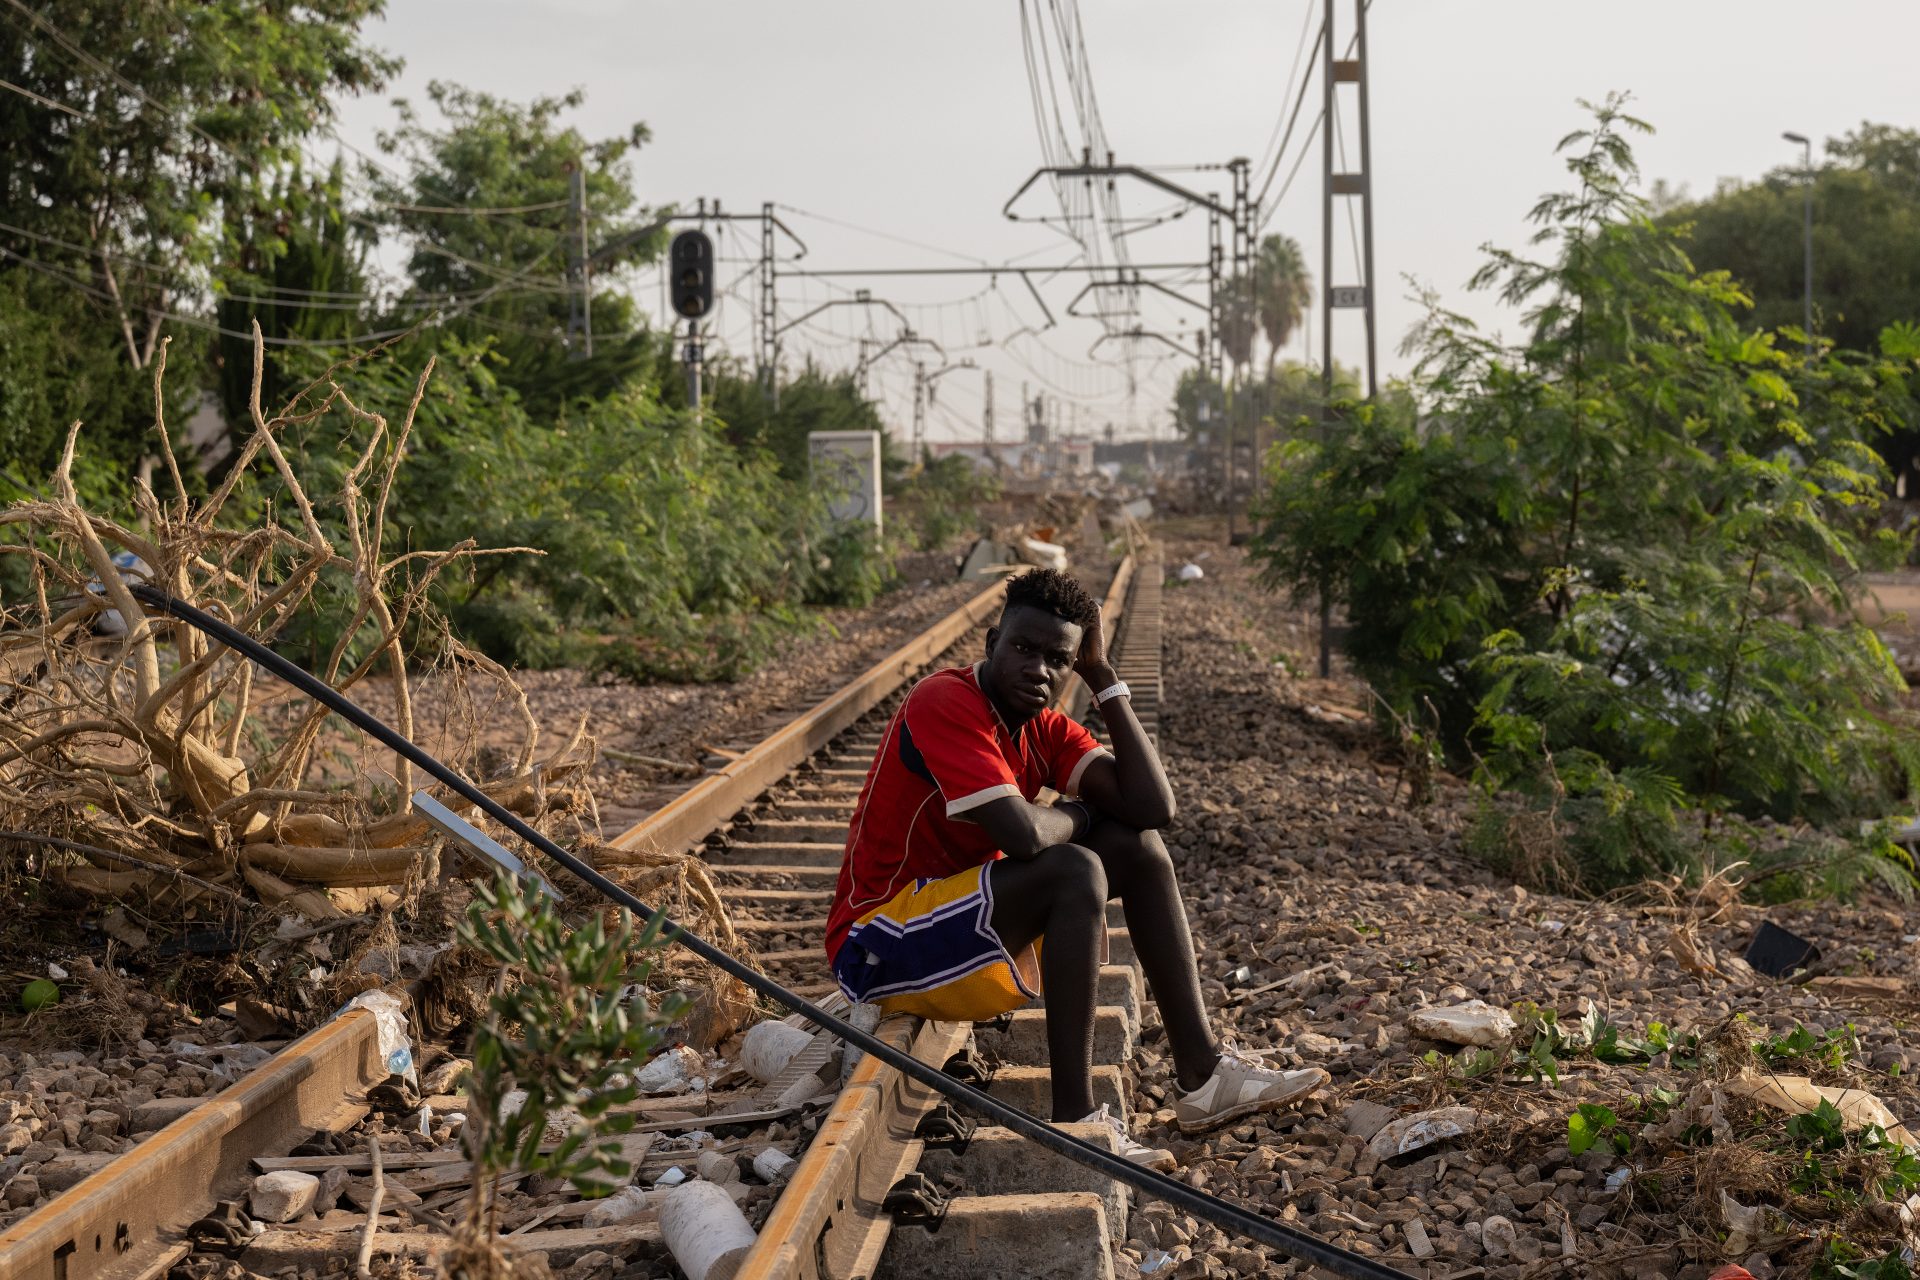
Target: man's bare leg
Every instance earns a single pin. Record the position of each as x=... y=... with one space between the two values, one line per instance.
x=1061 y=894
x=1140 y=873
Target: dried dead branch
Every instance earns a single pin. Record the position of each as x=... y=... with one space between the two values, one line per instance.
x=146 y=760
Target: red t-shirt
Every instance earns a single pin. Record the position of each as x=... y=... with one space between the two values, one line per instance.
x=944 y=752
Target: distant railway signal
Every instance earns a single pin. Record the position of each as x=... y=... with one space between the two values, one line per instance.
x=691 y=264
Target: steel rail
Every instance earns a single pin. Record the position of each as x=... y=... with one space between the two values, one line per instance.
x=1234 y=1218
x=127 y=1219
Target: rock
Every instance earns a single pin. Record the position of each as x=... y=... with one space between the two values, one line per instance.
x=161 y=1112
x=22 y=1191
x=283 y=1195
x=14 y=1138
x=1473 y=1023
x=1418 y=1242
x=1364 y=1119
x=327 y=1197
x=1499 y=1237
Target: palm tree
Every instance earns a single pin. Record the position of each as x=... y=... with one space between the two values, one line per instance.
x=1238 y=326
x=1286 y=291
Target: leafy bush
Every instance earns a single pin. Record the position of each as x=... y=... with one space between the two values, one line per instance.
x=944 y=500
x=1618 y=559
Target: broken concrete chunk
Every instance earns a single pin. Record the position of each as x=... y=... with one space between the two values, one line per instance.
x=768 y=1046
x=671 y=1072
x=1423 y=1130
x=1417 y=1240
x=1474 y=1023
x=625 y=1205
x=705 y=1231
x=1499 y=1237
x=283 y=1195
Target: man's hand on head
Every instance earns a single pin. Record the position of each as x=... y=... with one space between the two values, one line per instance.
x=1091 y=662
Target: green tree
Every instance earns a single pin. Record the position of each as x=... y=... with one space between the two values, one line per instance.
x=1618 y=560
x=486 y=206
x=135 y=143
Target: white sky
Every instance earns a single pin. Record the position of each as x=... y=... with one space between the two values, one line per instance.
x=914 y=118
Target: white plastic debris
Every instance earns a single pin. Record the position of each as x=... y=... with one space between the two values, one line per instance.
x=1745 y=1224
x=1191 y=572
x=705 y=1231
x=768 y=1046
x=670 y=1072
x=426 y=1122
x=1155 y=1261
x=1474 y=1023
x=1423 y=1130
x=1553 y=926
x=671 y=1178
x=1618 y=1178
x=772 y=1164
x=132 y=569
x=390 y=1027
x=623 y=1205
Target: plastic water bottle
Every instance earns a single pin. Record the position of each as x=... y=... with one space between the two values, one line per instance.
x=400 y=1061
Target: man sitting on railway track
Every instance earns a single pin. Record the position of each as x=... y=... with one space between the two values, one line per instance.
x=953 y=875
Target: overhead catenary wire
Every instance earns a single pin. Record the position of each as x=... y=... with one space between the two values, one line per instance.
x=1221 y=1213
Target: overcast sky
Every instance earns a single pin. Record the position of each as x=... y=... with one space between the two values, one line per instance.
x=914 y=119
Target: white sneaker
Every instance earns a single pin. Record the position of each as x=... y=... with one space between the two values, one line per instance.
x=1241 y=1085
x=1126 y=1148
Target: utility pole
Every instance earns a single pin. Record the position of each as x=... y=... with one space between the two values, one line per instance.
x=1353 y=185
x=919 y=410
x=769 y=349
x=580 y=297
x=1243 y=287
x=986 y=420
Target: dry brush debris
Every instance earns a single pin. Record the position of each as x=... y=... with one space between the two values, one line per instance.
x=133 y=756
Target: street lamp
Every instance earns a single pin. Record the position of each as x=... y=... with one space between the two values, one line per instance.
x=1807 y=287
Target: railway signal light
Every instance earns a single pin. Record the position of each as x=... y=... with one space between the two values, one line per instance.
x=690 y=264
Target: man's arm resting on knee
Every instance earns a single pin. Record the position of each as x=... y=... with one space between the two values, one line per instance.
x=1022 y=829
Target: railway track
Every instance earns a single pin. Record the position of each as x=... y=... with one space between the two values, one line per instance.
x=894 y=1182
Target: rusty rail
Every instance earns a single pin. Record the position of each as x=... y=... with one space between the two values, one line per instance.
x=125 y=1221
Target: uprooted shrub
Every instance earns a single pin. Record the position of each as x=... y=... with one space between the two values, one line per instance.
x=1615 y=564
x=137 y=758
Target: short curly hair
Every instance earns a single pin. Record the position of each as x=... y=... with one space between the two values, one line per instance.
x=1056 y=593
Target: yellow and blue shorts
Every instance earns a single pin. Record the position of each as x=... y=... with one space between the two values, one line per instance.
x=931 y=950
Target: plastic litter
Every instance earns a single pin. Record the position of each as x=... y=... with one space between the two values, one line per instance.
x=1776 y=952
x=1618 y=1178
x=1156 y=1261
x=1423 y=1130
x=671 y=1178
x=390 y=1026
x=132 y=569
x=1191 y=572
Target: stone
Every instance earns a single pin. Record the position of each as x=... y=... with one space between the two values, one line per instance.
x=283 y=1195
x=161 y=1112
x=1499 y=1237
x=1474 y=1022
x=22 y=1190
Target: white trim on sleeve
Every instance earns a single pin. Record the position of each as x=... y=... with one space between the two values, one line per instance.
x=1073 y=779
x=978 y=798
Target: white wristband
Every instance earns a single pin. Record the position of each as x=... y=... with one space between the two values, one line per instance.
x=1118 y=689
